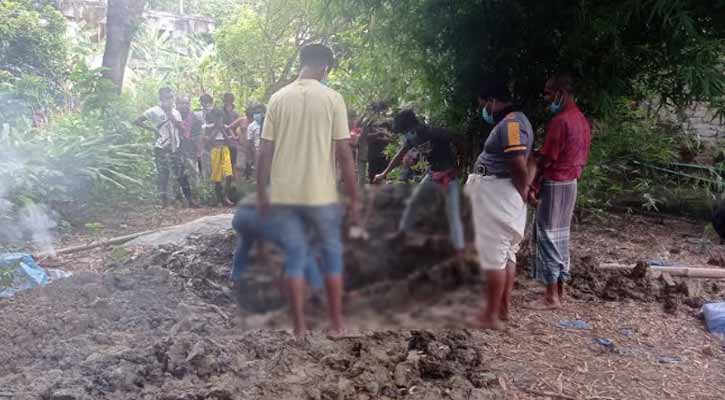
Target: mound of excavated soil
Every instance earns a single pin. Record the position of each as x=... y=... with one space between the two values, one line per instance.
x=137 y=333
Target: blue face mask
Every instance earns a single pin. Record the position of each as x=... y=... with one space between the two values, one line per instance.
x=488 y=117
x=257 y=117
x=555 y=106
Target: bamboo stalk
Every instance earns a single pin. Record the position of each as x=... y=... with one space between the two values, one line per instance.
x=109 y=242
x=677 y=270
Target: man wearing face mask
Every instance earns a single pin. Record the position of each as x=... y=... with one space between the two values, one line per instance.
x=557 y=167
x=442 y=175
x=305 y=135
x=498 y=188
x=166 y=123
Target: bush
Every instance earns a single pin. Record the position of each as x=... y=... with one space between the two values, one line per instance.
x=634 y=163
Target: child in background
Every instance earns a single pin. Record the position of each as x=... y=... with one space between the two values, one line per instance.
x=221 y=159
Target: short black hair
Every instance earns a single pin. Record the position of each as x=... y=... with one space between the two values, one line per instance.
x=228 y=98
x=405 y=120
x=206 y=99
x=165 y=91
x=316 y=55
x=495 y=88
x=563 y=81
x=254 y=107
x=378 y=106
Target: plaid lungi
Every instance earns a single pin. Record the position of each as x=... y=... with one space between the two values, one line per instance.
x=552 y=231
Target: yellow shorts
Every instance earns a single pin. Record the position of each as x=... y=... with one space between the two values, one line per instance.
x=221 y=163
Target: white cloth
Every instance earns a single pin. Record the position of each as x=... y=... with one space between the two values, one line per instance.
x=166 y=131
x=499 y=219
x=254 y=133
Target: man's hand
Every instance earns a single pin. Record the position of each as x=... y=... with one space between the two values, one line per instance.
x=532 y=199
x=379 y=178
x=353 y=212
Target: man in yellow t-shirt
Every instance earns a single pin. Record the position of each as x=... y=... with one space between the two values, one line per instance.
x=305 y=132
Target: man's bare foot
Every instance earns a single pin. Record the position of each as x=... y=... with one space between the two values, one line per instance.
x=561 y=291
x=543 y=305
x=504 y=314
x=482 y=323
x=340 y=332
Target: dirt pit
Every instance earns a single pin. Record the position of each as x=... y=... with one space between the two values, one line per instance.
x=164 y=324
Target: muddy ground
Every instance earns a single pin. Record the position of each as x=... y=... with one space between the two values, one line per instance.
x=164 y=324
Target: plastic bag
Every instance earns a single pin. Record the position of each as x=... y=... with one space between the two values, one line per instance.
x=715 y=317
x=18 y=271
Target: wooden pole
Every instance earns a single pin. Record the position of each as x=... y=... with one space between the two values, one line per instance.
x=677 y=270
x=109 y=242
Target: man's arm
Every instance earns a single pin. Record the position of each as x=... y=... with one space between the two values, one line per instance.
x=519 y=175
x=394 y=163
x=237 y=122
x=343 y=151
x=141 y=123
x=264 y=169
x=532 y=171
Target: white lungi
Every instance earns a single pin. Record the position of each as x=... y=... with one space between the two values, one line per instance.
x=499 y=219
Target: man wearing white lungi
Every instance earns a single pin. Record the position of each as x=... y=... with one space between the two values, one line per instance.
x=498 y=190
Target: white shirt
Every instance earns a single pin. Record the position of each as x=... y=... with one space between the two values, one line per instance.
x=166 y=131
x=254 y=133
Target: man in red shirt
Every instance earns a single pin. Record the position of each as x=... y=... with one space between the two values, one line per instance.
x=557 y=165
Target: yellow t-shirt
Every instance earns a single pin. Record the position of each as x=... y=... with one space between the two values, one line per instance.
x=303 y=120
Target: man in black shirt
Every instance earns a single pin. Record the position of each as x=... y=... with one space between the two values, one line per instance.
x=442 y=173
x=376 y=135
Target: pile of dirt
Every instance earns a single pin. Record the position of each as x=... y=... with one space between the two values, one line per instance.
x=139 y=333
x=589 y=282
x=420 y=262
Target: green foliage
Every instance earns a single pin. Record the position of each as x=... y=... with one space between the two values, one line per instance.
x=624 y=48
x=624 y=148
x=31 y=39
x=257 y=52
x=64 y=164
x=166 y=60
x=32 y=57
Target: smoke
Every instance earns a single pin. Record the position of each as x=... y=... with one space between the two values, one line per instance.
x=24 y=221
x=38 y=225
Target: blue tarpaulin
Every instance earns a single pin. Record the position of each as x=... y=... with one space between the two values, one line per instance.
x=19 y=271
x=715 y=317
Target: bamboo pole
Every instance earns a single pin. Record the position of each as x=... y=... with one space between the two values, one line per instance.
x=677 y=270
x=109 y=242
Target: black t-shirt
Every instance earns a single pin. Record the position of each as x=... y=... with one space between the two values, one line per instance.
x=230 y=116
x=440 y=157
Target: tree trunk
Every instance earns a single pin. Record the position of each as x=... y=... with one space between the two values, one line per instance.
x=123 y=18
